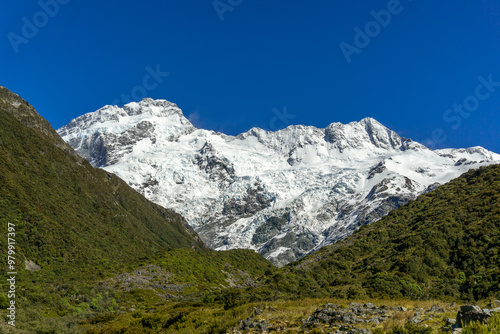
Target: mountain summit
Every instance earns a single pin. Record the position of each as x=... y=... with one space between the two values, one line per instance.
x=284 y=194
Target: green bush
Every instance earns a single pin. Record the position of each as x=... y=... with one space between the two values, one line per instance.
x=208 y=297
x=231 y=298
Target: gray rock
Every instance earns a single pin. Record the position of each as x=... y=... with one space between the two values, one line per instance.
x=470 y=313
x=31 y=266
x=331 y=305
x=323 y=317
x=360 y=331
x=416 y=319
x=250 y=323
x=435 y=308
x=469 y=308
x=257 y=311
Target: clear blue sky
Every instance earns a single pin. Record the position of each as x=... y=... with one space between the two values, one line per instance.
x=239 y=65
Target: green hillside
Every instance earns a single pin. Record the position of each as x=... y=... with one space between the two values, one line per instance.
x=78 y=228
x=65 y=211
x=443 y=245
x=439 y=248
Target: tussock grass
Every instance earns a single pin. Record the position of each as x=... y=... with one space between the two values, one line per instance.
x=493 y=326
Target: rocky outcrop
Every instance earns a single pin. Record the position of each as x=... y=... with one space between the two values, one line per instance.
x=218 y=168
x=468 y=314
x=363 y=318
x=31 y=266
x=235 y=190
x=356 y=313
x=473 y=313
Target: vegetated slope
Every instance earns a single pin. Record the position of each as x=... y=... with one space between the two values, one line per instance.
x=283 y=193
x=79 y=231
x=68 y=215
x=444 y=244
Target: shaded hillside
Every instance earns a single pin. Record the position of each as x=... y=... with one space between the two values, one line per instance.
x=67 y=212
x=445 y=244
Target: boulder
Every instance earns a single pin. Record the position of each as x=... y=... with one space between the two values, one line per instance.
x=472 y=313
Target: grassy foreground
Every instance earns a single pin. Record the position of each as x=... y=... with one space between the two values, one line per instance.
x=209 y=317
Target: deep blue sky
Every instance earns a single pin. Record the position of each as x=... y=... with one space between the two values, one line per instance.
x=229 y=75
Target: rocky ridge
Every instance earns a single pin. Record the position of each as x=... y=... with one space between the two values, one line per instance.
x=284 y=194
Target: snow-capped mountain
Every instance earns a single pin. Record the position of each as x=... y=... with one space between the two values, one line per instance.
x=285 y=193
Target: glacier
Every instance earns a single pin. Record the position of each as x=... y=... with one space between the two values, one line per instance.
x=283 y=194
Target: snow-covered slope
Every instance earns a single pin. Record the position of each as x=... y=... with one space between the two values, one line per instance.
x=284 y=193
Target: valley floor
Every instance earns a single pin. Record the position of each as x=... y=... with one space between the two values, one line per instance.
x=301 y=316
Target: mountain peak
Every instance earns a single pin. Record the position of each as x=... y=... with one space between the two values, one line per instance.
x=159 y=108
x=367 y=133
x=116 y=119
x=282 y=193
x=370 y=120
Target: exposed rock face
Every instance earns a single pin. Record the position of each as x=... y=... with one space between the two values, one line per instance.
x=357 y=317
x=284 y=194
x=468 y=314
x=472 y=313
x=354 y=314
x=218 y=168
x=31 y=266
